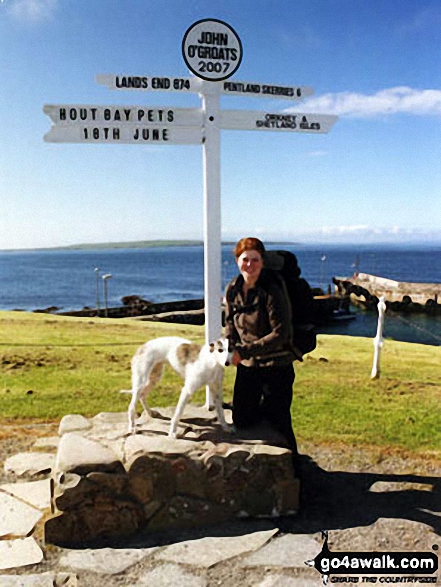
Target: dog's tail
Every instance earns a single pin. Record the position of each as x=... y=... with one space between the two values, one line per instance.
x=125 y=391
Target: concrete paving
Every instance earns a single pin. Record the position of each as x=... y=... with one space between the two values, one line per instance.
x=207 y=552
x=107 y=561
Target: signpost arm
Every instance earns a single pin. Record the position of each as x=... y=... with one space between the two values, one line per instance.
x=212 y=216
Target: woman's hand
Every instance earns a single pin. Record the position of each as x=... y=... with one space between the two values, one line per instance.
x=236 y=360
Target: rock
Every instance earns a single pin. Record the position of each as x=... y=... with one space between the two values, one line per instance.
x=134 y=300
x=73 y=423
x=19 y=553
x=108 y=561
x=16 y=518
x=209 y=551
x=277 y=580
x=289 y=551
x=30 y=463
x=35 y=493
x=40 y=580
x=77 y=454
x=167 y=575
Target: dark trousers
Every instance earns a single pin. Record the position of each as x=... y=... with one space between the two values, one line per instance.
x=265 y=392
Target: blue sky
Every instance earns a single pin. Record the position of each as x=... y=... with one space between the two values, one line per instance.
x=376 y=177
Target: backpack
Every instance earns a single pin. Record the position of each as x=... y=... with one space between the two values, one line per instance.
x=283 y=266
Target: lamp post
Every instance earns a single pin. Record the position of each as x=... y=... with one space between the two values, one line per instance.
x=97 y=288
x=105 y=278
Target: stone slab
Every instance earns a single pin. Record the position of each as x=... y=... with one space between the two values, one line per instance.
x=19 y=553
x=170 y=575
x=41 y=580
x=289 y=551
x=107 y=561
x=16 y=517
x=206 y=552
x=34 y=493
x=73 y=423
x=110 y=418
x=30 y=463
x=139 y=444
x=77 y=454
x=278 y=580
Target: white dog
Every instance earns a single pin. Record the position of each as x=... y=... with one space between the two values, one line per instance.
x=198 y=365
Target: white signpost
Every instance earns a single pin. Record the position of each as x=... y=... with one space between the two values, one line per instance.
x=213 y=52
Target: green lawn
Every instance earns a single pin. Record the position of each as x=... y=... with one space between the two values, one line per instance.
x=52 y=366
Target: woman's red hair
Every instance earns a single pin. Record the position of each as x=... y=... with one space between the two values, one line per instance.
x=249 y=244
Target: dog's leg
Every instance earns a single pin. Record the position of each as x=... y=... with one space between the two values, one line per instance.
x=216 y=399
x=209 y=406
x=186 y=393
x=154 y=377
x=140 y=381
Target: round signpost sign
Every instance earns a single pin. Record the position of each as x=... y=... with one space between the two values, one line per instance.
x=212 y=50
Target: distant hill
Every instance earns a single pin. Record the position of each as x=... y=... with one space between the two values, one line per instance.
x=134 y=245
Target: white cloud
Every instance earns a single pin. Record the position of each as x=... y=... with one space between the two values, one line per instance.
x=401 y=99
x=366 y=233
x=32 y=10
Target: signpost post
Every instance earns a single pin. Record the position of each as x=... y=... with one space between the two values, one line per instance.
x=212 y=50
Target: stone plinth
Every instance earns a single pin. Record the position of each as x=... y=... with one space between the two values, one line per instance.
x=109 y=484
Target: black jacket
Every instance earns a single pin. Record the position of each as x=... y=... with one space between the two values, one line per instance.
x=260 y=327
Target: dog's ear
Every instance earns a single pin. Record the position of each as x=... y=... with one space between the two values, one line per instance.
x=211 y=345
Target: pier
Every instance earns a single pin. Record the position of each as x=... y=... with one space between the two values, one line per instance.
x=365 y=289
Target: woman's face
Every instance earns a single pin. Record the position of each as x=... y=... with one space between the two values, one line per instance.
x=250 y=265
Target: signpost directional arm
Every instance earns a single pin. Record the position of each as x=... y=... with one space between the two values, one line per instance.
x=276 y=121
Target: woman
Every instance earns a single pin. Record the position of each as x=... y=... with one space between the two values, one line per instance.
x=258 y=325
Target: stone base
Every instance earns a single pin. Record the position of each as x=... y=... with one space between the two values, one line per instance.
x=107 y=484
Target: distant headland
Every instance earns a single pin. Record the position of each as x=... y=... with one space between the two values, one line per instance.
x=133 y=245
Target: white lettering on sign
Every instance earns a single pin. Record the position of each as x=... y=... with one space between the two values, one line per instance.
x=148 y=83
x=75 y=114
x=249 y=120
x=212 y=50
x=124 y=133
x=266 y=90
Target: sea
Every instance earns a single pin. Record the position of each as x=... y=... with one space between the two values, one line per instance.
x=71 y=279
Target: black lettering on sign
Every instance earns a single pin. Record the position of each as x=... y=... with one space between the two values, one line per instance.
x=101 y=133
x=210 y=38
x=180 y=84
x=151 y=134
x=160 y=83
x=131 y=82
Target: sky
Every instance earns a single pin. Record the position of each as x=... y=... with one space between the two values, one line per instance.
x=374 y=178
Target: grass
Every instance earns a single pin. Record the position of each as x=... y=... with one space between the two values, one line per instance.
x=52 y=366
